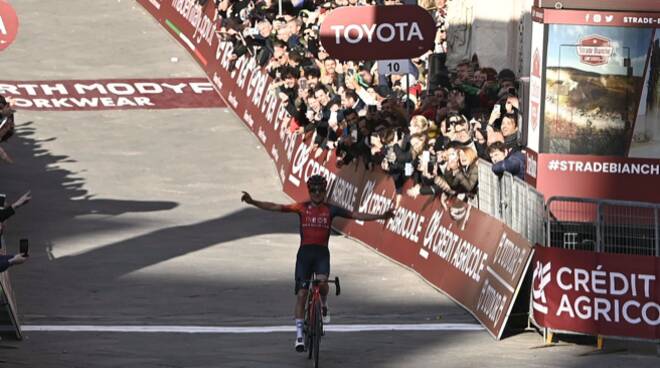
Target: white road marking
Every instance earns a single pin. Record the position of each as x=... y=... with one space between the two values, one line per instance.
x=249 y=330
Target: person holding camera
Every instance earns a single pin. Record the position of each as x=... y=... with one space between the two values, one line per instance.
x=504 y=118
x=9 y=260
x=7 y=212
x=431 y=167
x=462 y=173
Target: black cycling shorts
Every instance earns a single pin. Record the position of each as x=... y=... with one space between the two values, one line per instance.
x=311 y=259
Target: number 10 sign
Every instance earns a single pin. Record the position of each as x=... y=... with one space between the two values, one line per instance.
x=398 y=66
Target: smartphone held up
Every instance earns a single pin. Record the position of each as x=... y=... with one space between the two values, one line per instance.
x=23 y=247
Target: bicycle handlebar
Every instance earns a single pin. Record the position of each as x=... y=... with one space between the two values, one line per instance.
x=335 y=281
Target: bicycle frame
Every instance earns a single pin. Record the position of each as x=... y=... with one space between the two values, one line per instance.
x=313 y=328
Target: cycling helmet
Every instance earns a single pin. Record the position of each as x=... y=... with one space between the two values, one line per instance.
x=317 y=181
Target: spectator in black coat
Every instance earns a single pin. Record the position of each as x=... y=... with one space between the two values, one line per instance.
x=507 y=160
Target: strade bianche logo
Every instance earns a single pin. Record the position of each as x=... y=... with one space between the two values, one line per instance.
x=595 y=50
x=540 y=279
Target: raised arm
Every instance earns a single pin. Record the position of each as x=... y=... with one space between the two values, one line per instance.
x=368 y=217
x=268 y=206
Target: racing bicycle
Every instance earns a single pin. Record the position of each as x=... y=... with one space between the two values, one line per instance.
x=313 y=330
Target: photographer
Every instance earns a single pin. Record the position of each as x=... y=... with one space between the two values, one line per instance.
x=9 y=260
x=431 y=167
x=462 y=172
x=8 y=212
x=458 y=130
x=355 y=142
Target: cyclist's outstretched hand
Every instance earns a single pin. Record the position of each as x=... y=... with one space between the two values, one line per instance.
x=246 y=198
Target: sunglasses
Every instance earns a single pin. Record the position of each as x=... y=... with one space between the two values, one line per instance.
x=316 y=190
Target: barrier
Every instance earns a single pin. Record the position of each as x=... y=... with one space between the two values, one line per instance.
x=607 y=249
x=8 y=312
x=594 y=293
x=513 y=201
x=473 y=258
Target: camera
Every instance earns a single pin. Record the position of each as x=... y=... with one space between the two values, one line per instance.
x=390 y=155
x=23 y=247
x=250 y=32
x=433 y=161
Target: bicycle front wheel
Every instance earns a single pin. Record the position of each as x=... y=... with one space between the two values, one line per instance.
x=318 y=331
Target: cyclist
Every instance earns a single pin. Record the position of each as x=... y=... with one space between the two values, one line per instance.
x=313 y=255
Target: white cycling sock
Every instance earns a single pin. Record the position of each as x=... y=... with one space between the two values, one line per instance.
x=299 y=328
x=324 y=300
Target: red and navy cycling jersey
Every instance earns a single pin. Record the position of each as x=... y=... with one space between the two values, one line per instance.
x=315 y=221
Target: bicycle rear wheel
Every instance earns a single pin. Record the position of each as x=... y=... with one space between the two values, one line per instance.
x=308 y=328
x=318 y=331
x=308 y=337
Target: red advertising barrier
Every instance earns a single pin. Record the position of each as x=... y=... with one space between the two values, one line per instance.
x=475 y=259
x=597 y=293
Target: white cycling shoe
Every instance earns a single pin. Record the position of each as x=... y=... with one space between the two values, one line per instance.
x=300 y=345
x=325 y=315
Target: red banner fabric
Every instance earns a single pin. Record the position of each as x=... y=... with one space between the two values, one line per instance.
x=584 y=176
x=475 y=259
x=597 y=293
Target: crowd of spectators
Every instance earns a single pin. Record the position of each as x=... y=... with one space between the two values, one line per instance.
x=7 y=131
x=430 y=126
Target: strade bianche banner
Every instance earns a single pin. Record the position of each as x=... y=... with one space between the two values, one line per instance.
x=595 y=103
x=597 y=293
x=475 y=259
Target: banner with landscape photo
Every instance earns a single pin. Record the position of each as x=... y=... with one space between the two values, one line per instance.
x=594 y=82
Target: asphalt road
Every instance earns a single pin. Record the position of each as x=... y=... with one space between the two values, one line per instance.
x=136 y=221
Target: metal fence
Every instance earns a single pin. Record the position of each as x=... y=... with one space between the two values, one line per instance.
x=604 y=225
x=513 y=201
x=573 y=223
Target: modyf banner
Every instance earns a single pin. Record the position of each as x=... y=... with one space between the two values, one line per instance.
x=475 y=259
x=597 y=293
x=111 y=94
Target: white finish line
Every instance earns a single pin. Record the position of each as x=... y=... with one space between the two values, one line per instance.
x=250 y=330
